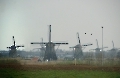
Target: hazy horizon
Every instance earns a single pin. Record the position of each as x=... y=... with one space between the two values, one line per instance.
x=28 y=20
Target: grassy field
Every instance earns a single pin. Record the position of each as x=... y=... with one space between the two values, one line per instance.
x=12 y=73
x=11 y=68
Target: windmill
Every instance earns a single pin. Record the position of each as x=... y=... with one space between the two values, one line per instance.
x=13 y=49
x=50 y=53
x=98 y=49
x=78 y=53
x=42 y=49
x=113 y=51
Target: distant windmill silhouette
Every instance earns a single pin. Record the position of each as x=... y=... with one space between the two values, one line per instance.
x=13 y=49
x=78 y=53
x=42 y=49
x=98 y=49
x=50 y=53
x=113 y=51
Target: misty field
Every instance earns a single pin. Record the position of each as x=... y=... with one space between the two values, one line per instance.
x=12 y=68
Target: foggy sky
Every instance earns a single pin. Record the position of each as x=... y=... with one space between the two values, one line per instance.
x=28 y=21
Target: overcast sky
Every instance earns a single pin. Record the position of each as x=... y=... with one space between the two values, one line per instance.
x=28 y=21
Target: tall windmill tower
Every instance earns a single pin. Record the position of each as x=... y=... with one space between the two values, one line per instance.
x=13 y=49
x=78 y=53
x=50 y=53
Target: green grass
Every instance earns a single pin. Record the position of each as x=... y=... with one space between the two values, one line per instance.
x=12 y=73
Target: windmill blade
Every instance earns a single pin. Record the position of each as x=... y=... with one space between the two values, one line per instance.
x=20 y=46
x=113 y=44
x=98 y=49
x=87 y=44
x=49 y=33
x=71 y=47
x=75 y=47
x=60 y=43
x=39 y=42
x=97 y=43
x=57 y=44
x=13 y=41
x=78 y=37
x=42 y=42
x=9 y=47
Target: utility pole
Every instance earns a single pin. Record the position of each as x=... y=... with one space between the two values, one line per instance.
x=102 y=46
